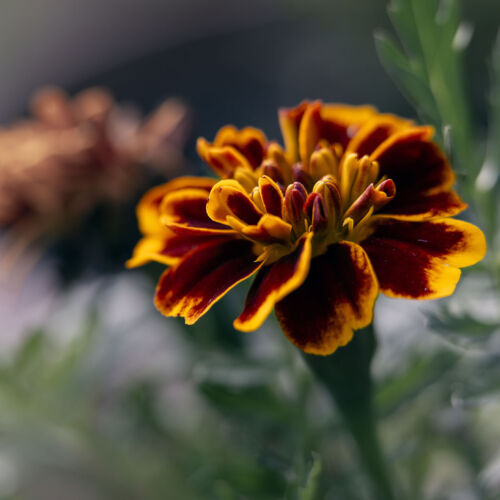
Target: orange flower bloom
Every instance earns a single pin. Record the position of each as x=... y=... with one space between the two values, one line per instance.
x=356 y=203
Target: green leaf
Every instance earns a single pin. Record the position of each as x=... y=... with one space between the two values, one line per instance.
x=402 y=17
x=30 y=352
x=461 y=330
x=255 y=399
x=407 y=77
x=428 y=70
x=399 y=388
x=309 y=491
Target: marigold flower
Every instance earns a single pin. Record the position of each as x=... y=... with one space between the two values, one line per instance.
x=356 y=202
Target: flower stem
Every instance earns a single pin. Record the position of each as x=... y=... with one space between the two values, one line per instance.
x=346 y=374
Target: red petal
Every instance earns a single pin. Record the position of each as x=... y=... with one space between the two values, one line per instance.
x=311 y=130
x=203 y=276
x=148 y=208
x=224 y=160
x=269 y=229
x=185 y=210
x=229 y=199
x=249 y=141
x=422 y=206
x=271 y=195
x=289 y=123
x=414 y=163
x=274 y=282
x=166 y=248
x=374 y=132
x=421 y=259
x=337 y=124
x=233 y=148
x=337 y=297
x=341 y=122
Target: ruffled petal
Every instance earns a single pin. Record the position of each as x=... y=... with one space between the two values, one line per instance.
x=290 y=119
x=424 y=206
x=224 y=160
x=414 y=163
x=166 y=248
x=203 y=276
x=271 y=196
x=249 y=141
x=310 y=131
x=233 y=148
x=341 y=123
x=148 y=208
x=230 y=204
x=420 y=260
x=304 y=126
x=269 y=229
x=185 y=211
x=273 y=283
x=375 y=131
x=229 y=199
x=337 y=297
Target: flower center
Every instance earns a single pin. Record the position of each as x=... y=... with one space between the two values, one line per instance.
x=332 y=196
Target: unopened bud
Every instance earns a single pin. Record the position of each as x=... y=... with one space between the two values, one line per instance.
x=355 y=175
x=314 y=208
x=246 y=177
x=256 y=197
x=295 y=198
x=373 y=198
x=275 y=152
x=329 y=190
x=300 y=175
x=323 y=162
x=367 y=174
x=272 y=170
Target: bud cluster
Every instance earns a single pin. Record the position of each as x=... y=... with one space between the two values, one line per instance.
x=346 y=194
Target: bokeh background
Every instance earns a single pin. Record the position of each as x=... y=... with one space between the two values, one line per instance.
x=101 y=397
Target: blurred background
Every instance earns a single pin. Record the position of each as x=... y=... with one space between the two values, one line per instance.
x=100 y=396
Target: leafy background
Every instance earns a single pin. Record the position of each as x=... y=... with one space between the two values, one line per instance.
x=101 y=397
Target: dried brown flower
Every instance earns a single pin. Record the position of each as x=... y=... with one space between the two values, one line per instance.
x=74 y=153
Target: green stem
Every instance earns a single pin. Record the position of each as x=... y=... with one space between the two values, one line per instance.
x=347 y=376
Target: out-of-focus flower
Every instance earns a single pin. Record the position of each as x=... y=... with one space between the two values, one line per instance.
x=358 y=202
x=76 y=152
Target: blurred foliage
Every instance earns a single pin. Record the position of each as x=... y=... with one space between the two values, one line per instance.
x=243 y=421
x=488 y=182
x=427 y=67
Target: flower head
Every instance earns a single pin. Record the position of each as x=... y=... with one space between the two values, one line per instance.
x=75 y=152
x=355 y=203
